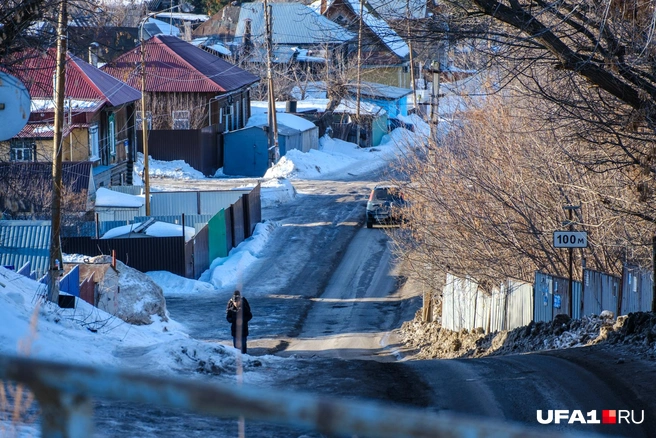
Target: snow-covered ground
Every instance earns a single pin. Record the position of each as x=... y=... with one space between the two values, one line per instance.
x=90 y=336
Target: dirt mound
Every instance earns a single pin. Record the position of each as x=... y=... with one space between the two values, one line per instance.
x=636 y=330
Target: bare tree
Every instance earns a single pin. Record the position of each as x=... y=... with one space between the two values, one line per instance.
x=486 y=201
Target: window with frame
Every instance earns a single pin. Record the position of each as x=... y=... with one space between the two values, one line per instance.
x=112 y=134
x=22 y=150
x=149 y=121
x=181 y=120
x=94 y=138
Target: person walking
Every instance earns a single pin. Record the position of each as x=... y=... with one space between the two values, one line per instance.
x=238 y=313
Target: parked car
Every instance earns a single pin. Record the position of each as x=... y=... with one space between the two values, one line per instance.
x=385 y=205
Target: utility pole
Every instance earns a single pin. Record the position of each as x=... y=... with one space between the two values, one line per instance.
x=412 y=63
x=273 y=122
x=55 y=261
x=653 y=288
x=436 y=69
x=570 y=221
x=144 y=122
x=359 y=90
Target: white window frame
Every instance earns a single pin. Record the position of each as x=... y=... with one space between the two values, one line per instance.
x=112 y=134
x=94 y=142
x=28 y=146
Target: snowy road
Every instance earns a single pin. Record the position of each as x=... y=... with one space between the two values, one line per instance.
x=326 y=296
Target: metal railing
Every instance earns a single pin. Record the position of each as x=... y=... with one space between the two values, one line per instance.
x=65 y=393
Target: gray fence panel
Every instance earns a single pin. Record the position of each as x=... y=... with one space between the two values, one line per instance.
x=237 y=211
x=576 y=300
x=459 y=303
x=448 y=297
x=600 y=292
x=519 y=304
x=252 y=210
x=543 y=298
x=119 y=214
x=497 y=310
x=229 y=229
x=130 y=190
x=637 y=290
x=481 y=311
x=215 y=201
x=201 y=259
x=551 y=297
x=174 y=203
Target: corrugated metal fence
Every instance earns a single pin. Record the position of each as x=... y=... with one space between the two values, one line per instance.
x=201 y=147
x=600 y=292
x=515 y=303
x=466 y=306
x=26 y=244
x=551 y=297
x=637 y=290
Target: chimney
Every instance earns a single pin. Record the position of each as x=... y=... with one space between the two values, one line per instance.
x=93 y=53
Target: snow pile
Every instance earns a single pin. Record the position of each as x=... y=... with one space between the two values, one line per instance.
x=157 y=229
x=178 y=169
x=139 y=298
x=276 y=191
x=110 y=198
x=432 y=341
x=88 y=335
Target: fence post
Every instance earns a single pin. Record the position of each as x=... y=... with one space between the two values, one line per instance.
x=65 y=415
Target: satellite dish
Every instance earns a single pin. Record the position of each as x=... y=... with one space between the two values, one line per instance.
x=14 y=106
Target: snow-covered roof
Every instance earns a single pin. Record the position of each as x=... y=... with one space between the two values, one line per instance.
x=158 y=27
x=373 y=14
x=373 y=90
x=157 y=229
x=184 y=16
x=288 y=120
x=293 y=23
x=347 y=106
x=109 y=198
x=206 y=42
x=380 y=27
x=80 y=105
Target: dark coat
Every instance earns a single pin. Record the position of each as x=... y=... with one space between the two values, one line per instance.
x=234 y=311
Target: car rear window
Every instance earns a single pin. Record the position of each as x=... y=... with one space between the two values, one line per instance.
x=387 y=194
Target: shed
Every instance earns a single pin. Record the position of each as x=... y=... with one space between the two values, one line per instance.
x=246 y=151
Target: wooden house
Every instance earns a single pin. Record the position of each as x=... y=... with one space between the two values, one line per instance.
x=192 y=97
x=98 y=111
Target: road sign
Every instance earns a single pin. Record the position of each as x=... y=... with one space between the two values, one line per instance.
x=570 y=239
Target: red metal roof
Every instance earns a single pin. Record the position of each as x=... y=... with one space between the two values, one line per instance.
x=46 y=130
x=83 y=81
x=174 y=65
